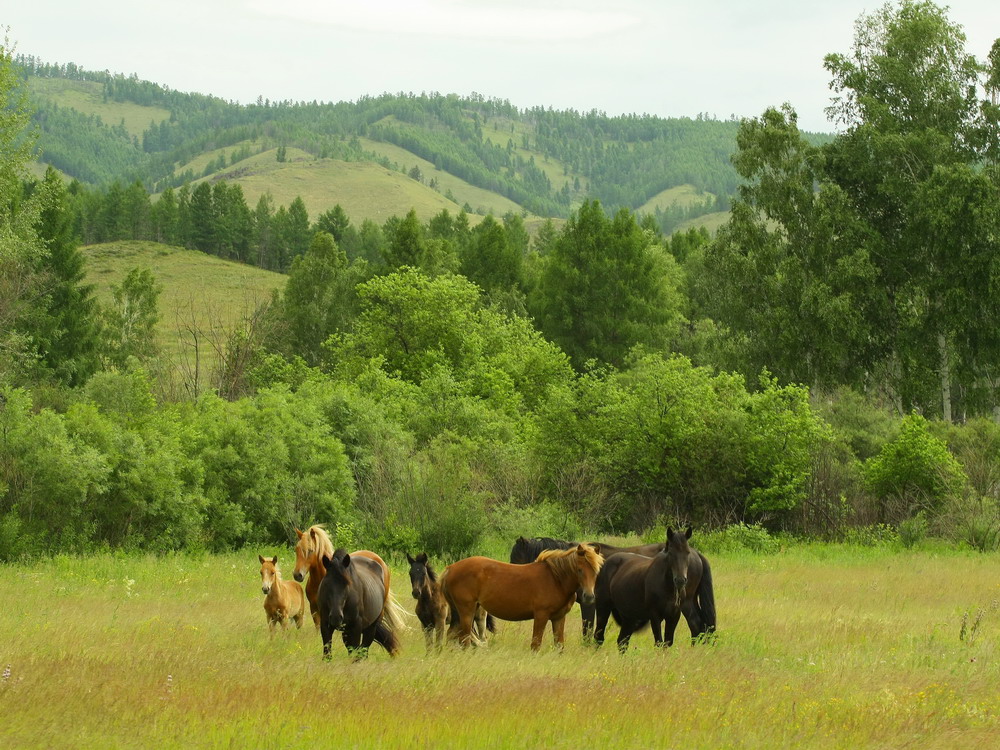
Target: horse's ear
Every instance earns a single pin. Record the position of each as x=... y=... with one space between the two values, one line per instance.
x=687 y=532
x=409 y=559
x=521 y=539
x=261 y=558
x=670 y=533
x=327 y=562
x=274 y=560
x=422 y=557
x=346 y=561
x=581 y=550
x=299 y=533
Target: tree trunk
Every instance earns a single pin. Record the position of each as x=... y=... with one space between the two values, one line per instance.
x=945 y=373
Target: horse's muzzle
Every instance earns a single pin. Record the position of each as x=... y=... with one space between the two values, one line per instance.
x=680 y=583
x=298 y=576
x=588 y=599
x=266 y=589
x=416 y=593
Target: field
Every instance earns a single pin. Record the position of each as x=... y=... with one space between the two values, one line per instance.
x=201 y=293
x=819 y=646
x=87 y=97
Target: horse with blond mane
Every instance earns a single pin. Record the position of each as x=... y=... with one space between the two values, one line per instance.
x=282 y=599
x=314 y=544
x=542 y=591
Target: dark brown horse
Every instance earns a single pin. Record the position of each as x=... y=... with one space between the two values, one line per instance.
x=527 y=550
x=635 y=589
x=542 y=591
x=313 y=545
x=353 y=599
x=432 y=609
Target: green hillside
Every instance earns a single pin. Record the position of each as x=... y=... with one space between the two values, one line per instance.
x=434 y=151
x=200 y=292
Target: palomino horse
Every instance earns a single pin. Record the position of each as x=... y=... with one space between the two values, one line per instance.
x=543 y=591
x=283 y=599
x=637 y=589
x=315 y=543
x=353 y=598
x=527 y=550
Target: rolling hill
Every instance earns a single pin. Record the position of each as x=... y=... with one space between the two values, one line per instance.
x=378 y=156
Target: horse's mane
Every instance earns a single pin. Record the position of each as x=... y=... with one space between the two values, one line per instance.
x=430 y=573
x=563 y=565
x=325 y=544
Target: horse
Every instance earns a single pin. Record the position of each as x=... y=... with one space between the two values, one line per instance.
x=527 y=550
x=636 y=589
x=283 y=599
x=354 y=598
x=432 y=609
x=314 y=544
x=543 y=591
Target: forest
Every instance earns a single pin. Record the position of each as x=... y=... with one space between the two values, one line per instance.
x=826 y=365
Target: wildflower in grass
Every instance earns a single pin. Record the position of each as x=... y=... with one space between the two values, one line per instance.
x=6 y=674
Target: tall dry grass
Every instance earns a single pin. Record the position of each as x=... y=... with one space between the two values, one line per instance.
x=824 y=647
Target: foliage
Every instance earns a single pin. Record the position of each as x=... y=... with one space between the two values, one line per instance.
x=916 y=468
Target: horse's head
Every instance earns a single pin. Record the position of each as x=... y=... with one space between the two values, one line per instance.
x=678 y=555
x=268 y=572
x=588 y=565
x=305 y=552
x=335 y=588
x=419 y=573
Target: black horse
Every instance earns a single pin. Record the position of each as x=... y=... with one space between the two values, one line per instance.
x=637 y=589
x=353 y=598
x=527 y=550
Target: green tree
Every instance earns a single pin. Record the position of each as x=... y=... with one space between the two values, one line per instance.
x=130 y=321
x=605 y=287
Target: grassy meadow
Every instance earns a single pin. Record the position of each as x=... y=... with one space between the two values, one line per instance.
x=819 y=646
x=88 y=97
x=201 y=293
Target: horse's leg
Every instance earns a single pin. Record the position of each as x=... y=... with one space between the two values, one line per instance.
x=588 y=614
x=624 y=635
x=367 y=636
x=672 y=618
x=352 y=641
x=603 y=612
x=559 y=632
x=429 y=637
x=537 y=631
x=654 y=625
x=693 y=618
x=461 y=625
x=439 y=623
x=327 y=633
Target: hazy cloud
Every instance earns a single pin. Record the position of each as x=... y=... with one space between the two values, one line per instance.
x=452 y=18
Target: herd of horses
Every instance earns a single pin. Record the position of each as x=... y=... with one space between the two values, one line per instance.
x=349 y=592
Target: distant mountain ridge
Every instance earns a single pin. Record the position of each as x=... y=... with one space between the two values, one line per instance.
x=485 y=155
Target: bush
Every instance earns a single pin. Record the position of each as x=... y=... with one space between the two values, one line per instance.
x=916 y=468
x=913 y=530
x=739 y=537
x=873 y=535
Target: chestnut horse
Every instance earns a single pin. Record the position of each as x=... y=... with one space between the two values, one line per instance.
x=636 y=589
x=543 y=591
x=315 y=543
x=283 y=599
x=354 y=598
x=527 y=550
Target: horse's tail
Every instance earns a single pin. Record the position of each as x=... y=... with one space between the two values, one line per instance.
x=706 y=596
x=394 y=616
x=491 y=623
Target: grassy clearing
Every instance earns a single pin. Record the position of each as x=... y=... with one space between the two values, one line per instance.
x=712 y=222
x=818 y=647
x=200 y=292
x=88 y=97
x=681 y=195
x=464 y=192
x=364 y=190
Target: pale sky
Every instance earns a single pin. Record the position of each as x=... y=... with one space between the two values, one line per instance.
x=659 y=57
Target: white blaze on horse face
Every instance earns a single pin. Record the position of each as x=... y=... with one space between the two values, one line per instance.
x=301 y=568
x=267 y=578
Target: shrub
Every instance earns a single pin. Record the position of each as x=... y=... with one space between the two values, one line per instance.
x=913 y=530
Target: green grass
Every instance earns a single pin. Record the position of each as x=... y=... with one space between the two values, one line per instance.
x=712 y=222
x=200 y=292
x=823 y=647
x=681 y=195
x=87 y=97
x=364 y=190
x=482 y=200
